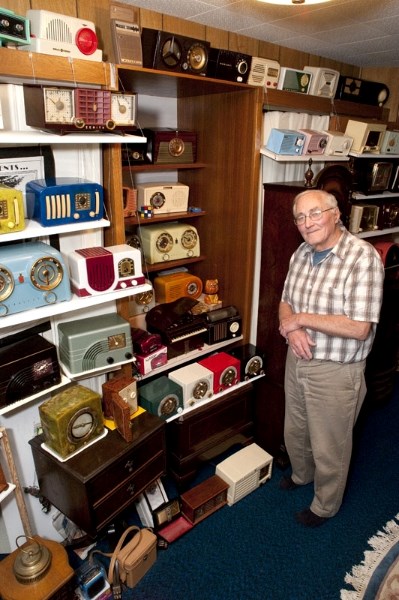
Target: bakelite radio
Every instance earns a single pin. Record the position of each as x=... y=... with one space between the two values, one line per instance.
x=172 y=52
x=196 y=382
x=226 y=370
x=11 y=210
x=168 y=146
x=162 y=397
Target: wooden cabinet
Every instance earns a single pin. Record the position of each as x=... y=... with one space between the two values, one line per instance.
x=94 y=486
x=205 y=432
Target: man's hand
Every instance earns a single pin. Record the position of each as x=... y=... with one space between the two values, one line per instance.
x=301 y=344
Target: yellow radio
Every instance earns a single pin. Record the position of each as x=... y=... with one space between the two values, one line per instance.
x=11 y=210
x=177 y=285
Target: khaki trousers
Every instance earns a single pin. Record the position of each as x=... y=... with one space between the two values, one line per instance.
x=322 y=403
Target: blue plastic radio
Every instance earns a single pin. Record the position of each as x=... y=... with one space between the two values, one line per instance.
x=32 y=274
x=62 y=200
x=286 y=141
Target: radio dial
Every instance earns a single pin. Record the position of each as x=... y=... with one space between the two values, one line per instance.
x=6 y=284
x=171 y=52
x=197 y=57
x=200 y=390
x=46 y=273
x=242 y=66
x=157 y=200
x=164 y=243
x=168 y=405
x=189 y=239
x=228 y=377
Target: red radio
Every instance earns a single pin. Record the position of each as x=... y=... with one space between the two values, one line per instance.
x=225 y=368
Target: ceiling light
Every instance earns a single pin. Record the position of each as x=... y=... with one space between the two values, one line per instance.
x=293 y=2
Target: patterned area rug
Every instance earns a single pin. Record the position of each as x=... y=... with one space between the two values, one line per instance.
x=377 y=576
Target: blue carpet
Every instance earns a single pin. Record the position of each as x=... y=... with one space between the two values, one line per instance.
x=254 y=550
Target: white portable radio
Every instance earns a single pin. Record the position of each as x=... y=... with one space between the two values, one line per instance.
x=367 y=137
x=264 y=72
x=324 y=81
x=169 y=241
x=62 y=35
x=196 y=382
x=390 y=142
x=163 y=197
x=338 y=144
x=245 y=471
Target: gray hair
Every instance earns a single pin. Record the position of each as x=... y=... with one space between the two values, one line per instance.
x=329 y=200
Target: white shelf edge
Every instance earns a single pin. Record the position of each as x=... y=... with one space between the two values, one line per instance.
x=37 y=136
x=50 y=310
x=189 y=409
x=10 y=407
x=97 y=371
x=302 y=158
x=34 y=229
x=372 y=155
x=7 y=492
x=377 y=232
x=385 y=194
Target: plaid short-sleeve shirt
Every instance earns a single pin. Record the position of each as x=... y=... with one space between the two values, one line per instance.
x=348 y=281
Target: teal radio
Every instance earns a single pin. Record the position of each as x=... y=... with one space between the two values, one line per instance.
x=32 y=274
x=64 y=200
x=95 y=342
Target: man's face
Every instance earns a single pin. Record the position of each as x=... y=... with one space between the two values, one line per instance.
x=321 y=233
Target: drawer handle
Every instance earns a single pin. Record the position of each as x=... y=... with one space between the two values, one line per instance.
x=129 y=466
x=130 y=489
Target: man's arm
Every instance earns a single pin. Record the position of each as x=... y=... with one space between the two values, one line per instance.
x=335 y=325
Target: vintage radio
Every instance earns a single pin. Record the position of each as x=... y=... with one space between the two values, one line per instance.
x=62 y=35
x=244 y=471
x=204 y=499
x=315 y=141
x=166 y=145
x=129 y=198
x=94 y=342
x=151 y=500
x=62 y=200
x=126 y=42
x=161 y=396
x=92 y=581
x=134 y=153
x=32 y=274
x=145 y=363
x=228 y=65
x=119 y=389
x=264 y=72
x=142 y=302
x=14 y=29
x=167 y=512
x=169 y=241
x=363 y=217
x=367 y=137
x=163 y=197
x=226 y=370
x=145 y=342
x=173 y=52
x=286 y=141
x=28 y=366
x=71 y=418
x=101 y=270
x=362 y=91
x=292 y=80
x=390 y=142
x=222 y=324
x=338 y=144
x=176 y=285
x=196 y=382
x=371 y=176
x=389 y=214
x=11 y=210
x=252 y=361
x=324 y=81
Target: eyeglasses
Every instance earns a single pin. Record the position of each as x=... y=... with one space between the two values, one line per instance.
x=314 y=215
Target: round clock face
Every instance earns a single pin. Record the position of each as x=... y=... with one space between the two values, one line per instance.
x=58 y=105
x=81 y=425
x=6 y=283
x=46 y=273
x=123 y=109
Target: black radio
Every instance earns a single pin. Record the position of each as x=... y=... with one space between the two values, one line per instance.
x=362 y=91
x=228 y=65
x=222 y=324
x=173 y=52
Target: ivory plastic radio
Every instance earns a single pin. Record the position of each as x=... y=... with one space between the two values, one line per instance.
x=390 y=142
x=324 y=81
x=62 y=200
x=169 y=241
x=32 y=274
x=99 y=270
x=196 y=381
x=11 y=210
x=62 y=35
x=264 y=72
x=338 y=144
x=367 y=136
x=163 y=197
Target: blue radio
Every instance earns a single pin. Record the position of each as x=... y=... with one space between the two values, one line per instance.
x=32 y=274
x=62 y=200
x=286 y=141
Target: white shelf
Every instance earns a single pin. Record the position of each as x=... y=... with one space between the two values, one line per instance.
x=59 y=308
x=377 y=232
x=7 y=492
x=5 y=409
x=364 y=197
x=15 y=138
x=303 y=158
x=189 y=409
x=34 y=229
x=372 y=155
x=93 y=372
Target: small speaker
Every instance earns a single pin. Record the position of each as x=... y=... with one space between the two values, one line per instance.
x=127 y=43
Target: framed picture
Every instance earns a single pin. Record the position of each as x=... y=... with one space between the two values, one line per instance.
x=20 y=165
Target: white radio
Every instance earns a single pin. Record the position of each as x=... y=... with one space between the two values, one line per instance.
x=62 y=35
x=245 y=471
x=390 y=142
x=363 y=217
x=324 y=81
x=163 y=197
x=196 y=382
x=264 y=72
x=169 y=241
x=338 y=144
x=367 y=137
x=315 y=141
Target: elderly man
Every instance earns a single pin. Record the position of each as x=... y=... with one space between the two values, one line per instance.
x=328 y=315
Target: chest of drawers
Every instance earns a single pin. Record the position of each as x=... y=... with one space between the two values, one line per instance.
x=94 y=486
